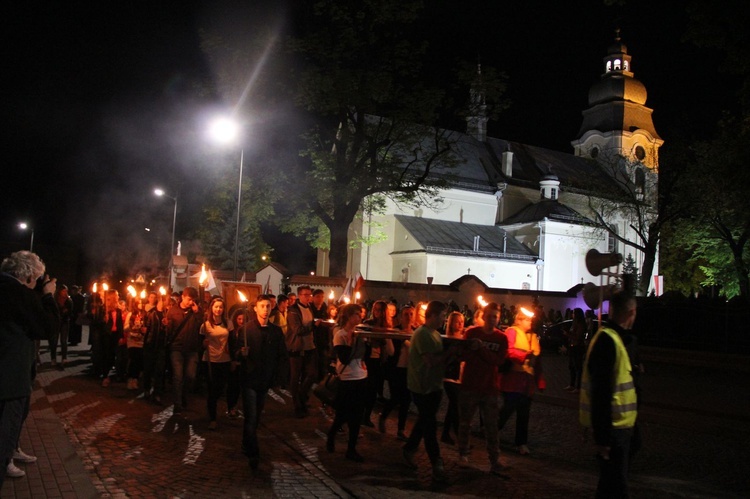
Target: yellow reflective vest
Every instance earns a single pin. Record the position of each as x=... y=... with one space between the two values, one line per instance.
x=624 y=410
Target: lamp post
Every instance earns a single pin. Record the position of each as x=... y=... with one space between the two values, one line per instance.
x=160 y=193
x=224 y=131
x=24 y=226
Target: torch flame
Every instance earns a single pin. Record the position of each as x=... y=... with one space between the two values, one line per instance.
x=243 y=298
x=93 y=290
x=105 y=287
x=143 y=294
x=481 y=301
x=203 y=276
x=347 y=300
x=162 y=291
x=132 y=291
x=331 y=296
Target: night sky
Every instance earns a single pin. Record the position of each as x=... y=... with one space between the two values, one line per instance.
x=103 y=101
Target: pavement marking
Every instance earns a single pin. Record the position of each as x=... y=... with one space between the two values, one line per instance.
x=278 y=398
x=195 y=447
x=161 y=418
x=60 y=396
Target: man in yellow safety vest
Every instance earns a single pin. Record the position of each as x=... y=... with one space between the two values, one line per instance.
x=608 y=398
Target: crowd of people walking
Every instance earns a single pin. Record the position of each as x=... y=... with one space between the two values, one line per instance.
x=485 y=361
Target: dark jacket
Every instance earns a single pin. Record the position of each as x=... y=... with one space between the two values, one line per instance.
x=267 y=362
x=156 y=337
x=183 y=329
x=22 y=320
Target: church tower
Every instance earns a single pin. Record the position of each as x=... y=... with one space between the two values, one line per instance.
x=617 y=122
x=476 y=121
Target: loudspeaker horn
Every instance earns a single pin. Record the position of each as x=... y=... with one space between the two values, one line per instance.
x=596 y=262
x=594 y=295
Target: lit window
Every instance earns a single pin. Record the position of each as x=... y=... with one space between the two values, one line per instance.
x=609 y=66
x=612 y=241
x=625 y=65
x=617 y=64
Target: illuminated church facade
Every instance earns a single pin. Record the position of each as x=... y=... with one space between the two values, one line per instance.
x=523 y=217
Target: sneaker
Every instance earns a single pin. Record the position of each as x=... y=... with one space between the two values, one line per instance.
x=212 y=425
x=438 y=472
x=14 y=471
x=409 y=458
x=22 y=457
x=523 y=450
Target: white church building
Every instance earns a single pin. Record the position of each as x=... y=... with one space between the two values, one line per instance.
x=518 y=216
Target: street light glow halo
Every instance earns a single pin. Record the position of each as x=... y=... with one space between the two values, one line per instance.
x=159 y=192
x=224 y=130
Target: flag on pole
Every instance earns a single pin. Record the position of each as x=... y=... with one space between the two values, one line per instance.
x=358 y=282
x=244 y=276
x=267 y=289
x=347 y=290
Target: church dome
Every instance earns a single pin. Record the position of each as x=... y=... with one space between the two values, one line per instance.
x=617 y=87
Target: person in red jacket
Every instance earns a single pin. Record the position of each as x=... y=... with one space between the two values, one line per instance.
x=480 y=384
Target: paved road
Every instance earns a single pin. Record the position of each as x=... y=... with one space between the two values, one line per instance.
x=108 y=442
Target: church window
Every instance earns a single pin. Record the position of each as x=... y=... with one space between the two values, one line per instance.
x=594 y=152
x=625 y=65
x=640 y=153
x=640 y=183
x=609 y=66
x=617 y=64
x=553 y=194
x=612 y=241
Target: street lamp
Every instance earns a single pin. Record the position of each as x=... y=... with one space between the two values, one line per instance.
x=225 y=131
x=24 y=226
x=160 y=193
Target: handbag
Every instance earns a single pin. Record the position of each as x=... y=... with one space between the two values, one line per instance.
x=328 y=388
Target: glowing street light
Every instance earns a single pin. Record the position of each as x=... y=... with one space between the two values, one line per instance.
x=25 y=226
x=225 y=131
x=160 y=193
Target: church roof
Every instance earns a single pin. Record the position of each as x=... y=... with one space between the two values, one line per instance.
x=478 y=166
x=456 y=238
x=549 y=209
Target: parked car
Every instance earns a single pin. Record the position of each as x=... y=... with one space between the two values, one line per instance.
x=554 y=336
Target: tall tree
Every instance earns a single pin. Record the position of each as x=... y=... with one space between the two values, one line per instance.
x=719 y=221
x=373 y=130
x=643 y=201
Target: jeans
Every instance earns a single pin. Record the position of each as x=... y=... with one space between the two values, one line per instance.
x=303 y=371
x=184 y=369
x=61 y=336
x=521 y=405
x=400 y=395
x=426 y=425
x=467 y=406
x=253 y=402
x=154 y=367
x=11 y=419
x=613 y=472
